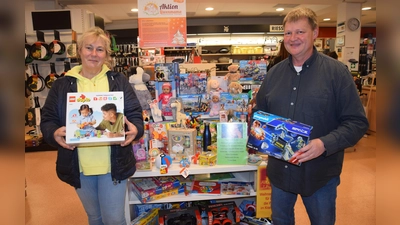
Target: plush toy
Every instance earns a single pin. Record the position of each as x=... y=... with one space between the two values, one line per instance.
x=235 y=88
x=233 y=75
x=215 y=104
x=213 y=86
x=137 y=81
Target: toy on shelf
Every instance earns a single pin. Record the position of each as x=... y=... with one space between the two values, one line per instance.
x=180 y=117
x=213 y=86
x=235 y=88
x=155 y=111
x=233 y=75
x=137 y=81
x=215 y=104
x=163 y=162
x=165 y=97
x=181 y=142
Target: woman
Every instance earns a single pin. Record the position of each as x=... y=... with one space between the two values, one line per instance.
x=283 y=54
x=99 y=173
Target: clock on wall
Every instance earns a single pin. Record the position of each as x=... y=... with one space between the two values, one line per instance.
x=353 y=23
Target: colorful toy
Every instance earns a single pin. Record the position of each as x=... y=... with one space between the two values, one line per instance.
x=213 y=86
x=155 y=111
x=180 y=117
x=233 y=75
x=235 y=88
x=215 y=104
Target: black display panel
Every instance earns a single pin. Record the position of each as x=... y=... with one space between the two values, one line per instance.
x=51 y=20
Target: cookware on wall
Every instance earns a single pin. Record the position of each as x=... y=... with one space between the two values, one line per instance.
x=49 y=80
x=35 y=81
x=56 y=46
x=28 y=57
x=27 y=91
x=67 y=67
x=40 y=50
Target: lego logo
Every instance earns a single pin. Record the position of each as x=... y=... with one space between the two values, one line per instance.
x=72 y=99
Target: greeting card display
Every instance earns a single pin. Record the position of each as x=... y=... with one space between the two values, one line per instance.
x=252 y=70
x=95 y=118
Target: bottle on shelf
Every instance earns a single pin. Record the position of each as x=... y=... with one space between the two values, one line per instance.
x=206 y=137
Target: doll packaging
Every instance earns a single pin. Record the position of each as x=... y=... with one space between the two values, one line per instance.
x=85 y=123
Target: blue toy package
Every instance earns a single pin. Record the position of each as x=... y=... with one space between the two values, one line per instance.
x=277 y=136
x=252 y=70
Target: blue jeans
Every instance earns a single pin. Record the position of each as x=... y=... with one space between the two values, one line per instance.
x=103 y=201
x=320 y=206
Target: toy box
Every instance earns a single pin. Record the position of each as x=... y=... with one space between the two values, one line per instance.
x=194 y=104
x=277 y=136
x=158 y=136
x=85 y=124
x=145 y=187
x=223 y=213
x=187 y=216
x=254 y=70
x=164 y=71
x=207 y=159
x=159 y=193
x=192 y=83
x=237 y=188
x=147 y=218
x=181 y=143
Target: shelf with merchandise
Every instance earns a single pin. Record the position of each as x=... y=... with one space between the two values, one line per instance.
x=246 y=173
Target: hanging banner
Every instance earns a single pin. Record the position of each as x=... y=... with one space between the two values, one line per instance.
x=162 y=23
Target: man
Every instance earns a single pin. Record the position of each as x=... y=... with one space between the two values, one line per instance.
x=112 y=122
x=317 y=90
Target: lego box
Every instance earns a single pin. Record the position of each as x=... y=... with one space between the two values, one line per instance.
x=277 y=136
x=95 y=118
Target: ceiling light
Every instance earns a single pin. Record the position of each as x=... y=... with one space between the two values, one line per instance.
x=134 y=10
x=209 y=9
x=280 y=9
x=366 y=8
x=327 y=19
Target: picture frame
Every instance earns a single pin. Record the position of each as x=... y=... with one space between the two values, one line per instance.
x=340 y=41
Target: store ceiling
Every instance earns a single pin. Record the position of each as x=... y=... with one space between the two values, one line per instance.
x=118 y=11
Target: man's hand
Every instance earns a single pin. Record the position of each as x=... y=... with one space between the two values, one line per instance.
x=314 y=149
x=130 y=134
x=59 y=136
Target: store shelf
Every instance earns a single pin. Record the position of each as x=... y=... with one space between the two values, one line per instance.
x=182 y=198
x=174 y=170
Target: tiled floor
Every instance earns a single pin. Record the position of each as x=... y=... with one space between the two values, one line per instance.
x=50 y=201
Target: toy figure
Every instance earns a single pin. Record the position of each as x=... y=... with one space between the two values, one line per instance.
x=233 y=75
x=215 y=104
x=235 y=88
x=164 y=99
x=155 y=111
x=180 y=116
x=137 y=81
x=213 y=86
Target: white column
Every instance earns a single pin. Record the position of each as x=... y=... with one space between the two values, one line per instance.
x=351 y=47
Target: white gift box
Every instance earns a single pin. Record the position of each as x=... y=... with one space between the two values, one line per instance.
x=88 y=135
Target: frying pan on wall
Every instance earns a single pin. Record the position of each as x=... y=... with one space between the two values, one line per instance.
x=35 y=81
x=40 y=50
x=28 y=58
x=67 y=67
x=49 y=80
x=56 y=46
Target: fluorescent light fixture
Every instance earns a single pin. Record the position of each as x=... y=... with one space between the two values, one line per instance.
x=250 y=33
x=191 y=34
x=327 y=19
x=366 y=8
x=280 y=9
x=209 y=9
x=134 y=10
x=213 y=34
x=275 y=32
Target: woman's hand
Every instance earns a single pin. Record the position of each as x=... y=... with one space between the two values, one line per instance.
x=130 y=134
x=59 y=136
